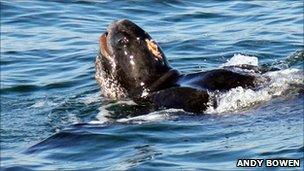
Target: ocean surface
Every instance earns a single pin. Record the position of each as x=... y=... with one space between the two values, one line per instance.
x=53 y=117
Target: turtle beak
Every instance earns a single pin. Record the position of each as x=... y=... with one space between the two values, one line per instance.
x=103 y=43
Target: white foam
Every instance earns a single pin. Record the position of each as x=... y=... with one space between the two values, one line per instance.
x=103 y=115
x=239 y=59
x=91 y=98
x=72 y=118
x=152 y=117
x=237 y=98
x=240 y=98
x=43 y=103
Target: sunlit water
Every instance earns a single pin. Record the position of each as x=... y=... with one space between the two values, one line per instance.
x=52 y=117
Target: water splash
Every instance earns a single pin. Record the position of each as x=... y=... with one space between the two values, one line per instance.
x=91 y=98
x=239 y=59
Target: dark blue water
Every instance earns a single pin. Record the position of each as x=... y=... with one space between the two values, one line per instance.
x=52 y=117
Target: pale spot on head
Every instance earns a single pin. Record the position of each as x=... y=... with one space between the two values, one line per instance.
x=126 y=39
x=154 y=49
x=144 y=93
x=142 y=83
x=132 y=62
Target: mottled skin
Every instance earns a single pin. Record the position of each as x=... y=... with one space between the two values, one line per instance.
x=132 y=65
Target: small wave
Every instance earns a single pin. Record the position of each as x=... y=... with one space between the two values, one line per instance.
x=19 y=88
x=31 y=88
x=152 y=117
x=194 y=15
x=105 y=115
